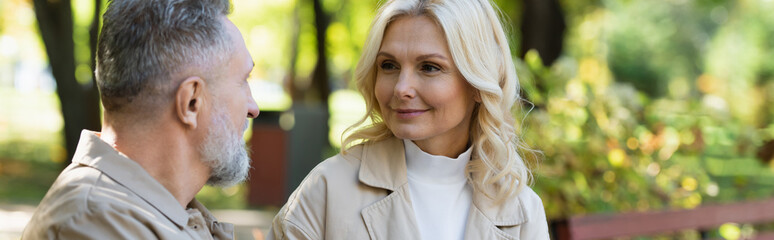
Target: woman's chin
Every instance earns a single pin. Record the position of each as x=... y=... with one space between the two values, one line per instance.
x=408 y=136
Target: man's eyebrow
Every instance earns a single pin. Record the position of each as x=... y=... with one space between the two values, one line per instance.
x=250 y=71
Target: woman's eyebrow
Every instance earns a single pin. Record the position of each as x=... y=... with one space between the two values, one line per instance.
x=387 y=55
x=432 y=55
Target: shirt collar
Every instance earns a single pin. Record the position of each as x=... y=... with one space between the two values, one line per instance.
x=220 y=230
x=95 y=153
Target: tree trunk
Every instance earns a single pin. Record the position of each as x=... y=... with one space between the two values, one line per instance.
x=290 y=79
x=320 y=83
x=309 y=136
x=320 y=79
x=79 y=103
x=542 y=28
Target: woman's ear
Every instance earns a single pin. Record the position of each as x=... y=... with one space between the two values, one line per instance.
x=189 y=99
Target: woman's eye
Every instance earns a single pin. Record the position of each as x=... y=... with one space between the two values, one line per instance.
x=388 y=66
x=429 y=68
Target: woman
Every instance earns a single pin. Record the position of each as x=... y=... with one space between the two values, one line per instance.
x=441 y=159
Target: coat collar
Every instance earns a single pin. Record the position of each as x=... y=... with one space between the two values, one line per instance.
x=95 y=153
x=391 y=217
x=383 y=165
x=508 y=213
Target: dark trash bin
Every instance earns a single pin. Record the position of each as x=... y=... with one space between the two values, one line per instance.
x=268 y=175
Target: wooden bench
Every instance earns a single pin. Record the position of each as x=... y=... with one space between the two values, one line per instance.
x=605 y=226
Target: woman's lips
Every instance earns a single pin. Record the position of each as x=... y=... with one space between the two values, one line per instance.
x=409 y=113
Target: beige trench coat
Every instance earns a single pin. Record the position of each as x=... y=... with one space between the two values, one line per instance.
x=364 y=194
x=105 y=195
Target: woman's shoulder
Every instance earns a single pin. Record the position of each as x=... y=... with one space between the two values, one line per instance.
x=349 y=160
x=536 y=226
x=522 y=215
x=344 y=162
x=524 y=206
x=336 y=176
x=531 y=201
x=330 y=190
x=304 y=213
x=528 y=195
x=339 y=170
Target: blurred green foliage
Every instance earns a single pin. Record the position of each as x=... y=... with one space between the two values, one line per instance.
x=655 y=105
x=31 y=147
x=22 y=181
x=223 y=198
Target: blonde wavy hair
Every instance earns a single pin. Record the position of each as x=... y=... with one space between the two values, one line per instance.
x=480 y=51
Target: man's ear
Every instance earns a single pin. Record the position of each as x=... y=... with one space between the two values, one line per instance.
x=189 y=100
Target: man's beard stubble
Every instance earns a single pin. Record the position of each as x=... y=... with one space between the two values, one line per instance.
x=224 y=151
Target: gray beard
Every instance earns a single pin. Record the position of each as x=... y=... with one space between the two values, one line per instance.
x=225 y=152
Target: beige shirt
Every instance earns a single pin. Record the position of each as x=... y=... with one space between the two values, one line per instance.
x=364 y=194
x=105 y=195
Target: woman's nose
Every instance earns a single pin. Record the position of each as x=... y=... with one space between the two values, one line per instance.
x=405 y=86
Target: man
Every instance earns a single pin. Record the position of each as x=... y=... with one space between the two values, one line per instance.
x=172 y=78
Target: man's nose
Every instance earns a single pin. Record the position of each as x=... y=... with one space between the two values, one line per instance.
x=252 y=107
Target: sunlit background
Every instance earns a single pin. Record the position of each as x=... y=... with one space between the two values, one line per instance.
x=637 y=105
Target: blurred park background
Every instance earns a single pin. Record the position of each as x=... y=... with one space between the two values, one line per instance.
x=637 y=105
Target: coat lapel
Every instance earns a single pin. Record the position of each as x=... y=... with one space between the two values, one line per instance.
x=486 y=218
x=391 y=217
x=480 y=227
x=384 y=166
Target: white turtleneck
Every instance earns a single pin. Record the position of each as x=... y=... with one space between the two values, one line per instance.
x=439 y=192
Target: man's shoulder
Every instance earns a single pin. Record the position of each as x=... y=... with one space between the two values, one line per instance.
x=84 y=196
x=84 y=186
x=82 y=190
x=70 y=192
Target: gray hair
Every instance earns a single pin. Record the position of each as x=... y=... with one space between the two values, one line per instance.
x=144 y=44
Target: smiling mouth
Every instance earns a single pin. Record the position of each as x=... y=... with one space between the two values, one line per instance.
x=410 y=110
x=409 y=113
